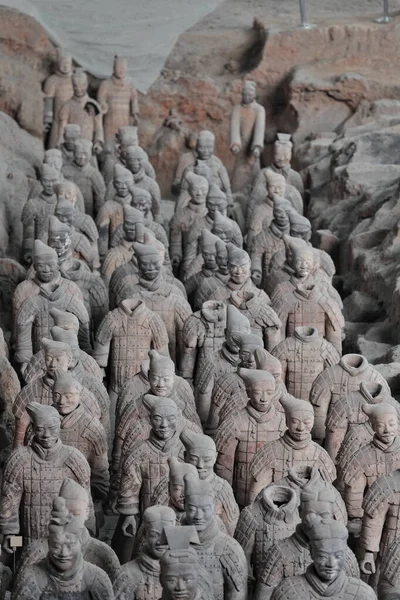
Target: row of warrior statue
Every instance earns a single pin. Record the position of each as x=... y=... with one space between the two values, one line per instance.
x=187 y=377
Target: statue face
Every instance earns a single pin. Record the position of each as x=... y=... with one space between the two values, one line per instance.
x=281 y=216
x=47 y=432
x=70 y=139
x=216 y=204
x=303 y=265
x=129 y=228
x=133 y=163
x=317 y=507
x=276 y=188
x=47 y=185
x=329 y=558
x=248 y=94
x=203 y=460
x=208 y=258
x=67 y=193
x=81 y=157
x=164 y=423
x=304 y=235
x=54 y=162
x=142 y=204
x=153 y=537
x=162 y=382
x=239 y=270
x=222 y=261
x=80 y=86
x=224 y=234
x=78 y=507
x=149 y=267
x=56 y=361
x=179 y=581
x=198 y=193
x=229 y=337
x=65 y=214
x=64 y=64
x=61 y=243
x=67 y=401
x=199 y=511
x=261 y=394
x=300 y=423
x=120 y=68
x=385 y=428
x=204 y=149
x=177 y=495
x=46 y=269
x=64 y=550
x=121 y=185
x=282 y=156
x=246 y=356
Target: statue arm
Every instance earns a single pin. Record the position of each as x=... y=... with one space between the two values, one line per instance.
x=372 y=528
x=226 y=443
x=235 y=137
x=12 y=494
x=134 y=105
x=27 y=586
x=320 y=398
x=63 y=120
x=333 y=335
x=102 y=96
x=259 y=129
x=103 y=340
x=98 y=133
x=100 y=475
x=99 y=190
x=155 y=198
x=130 y=486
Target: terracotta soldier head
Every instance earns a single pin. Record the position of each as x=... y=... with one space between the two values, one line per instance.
x=79 y=83
x=275 y=184
x=249 y=92
x=155 y=519
x=134 y=158
x=223 y=227
x=45 y=262
x=64 y=539
x=216 y=201
x=208 y=249
x=283 y=148
x=197 y=188
x=119 y=67
x=70 y=338
x=248 y=343
x=66 y=190
x=236 y=323
x=76 y=499
x=239 y=265
x=265 y=361
x=300 y=227
x=260 y=388
x=141 y=200
x=149 y=261
x=316 y=500
x=384 y=421
x=66 y=394
x=176 y=483
x=205 y=145
x=64 y=62
x=200 y=451
x=65 y=320
x=199 y=503
x=49 y=177
x=126 y=136
x=82 y=152
x=299 y=418
x=65 y=212
x=132 y=217
x=280 y=212
x=72 y=134
x=57 y=356
x=122 y=180
x=46 y=424
x=221 y=257
x=328 y=546
x=164 y=416
x=180 y=565
x=53 y=158
x=300 y=257
x=161 y=374
x=59 y=237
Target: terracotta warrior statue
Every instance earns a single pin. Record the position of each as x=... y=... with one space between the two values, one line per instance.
x=33 y=299
x=111 y=214
x=208 y=266
x=200 y=451
x=247 y=137
x=202 y=335
x=124 y=339
x=260 y=207
x=302 y=301
x=118 y=100
x=63 y=572
x=326 y=576
x=57 y=89
x=379 y=457
x=82 y=111
x=339 y=381
x=141 y=200
x=93 y=550
x=290 y=556
x=261 y=190
x=283 y=150
x=126 y=136
x=36 y=213
x=171 y=490
x=221 y=555
x=303 y=356
x=273 y=516
x=204 y=151
x=37 y=365
x=140 y=578
x=221 y=277
x=294 y=448
x=389 y=569
x=86 y=177
x=34 y=474
x=225 y=228
x=224 y=360
x=242 y=434
x=72 y=133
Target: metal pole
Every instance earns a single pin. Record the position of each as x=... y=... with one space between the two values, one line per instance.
x=303 y=16
x=386 y=18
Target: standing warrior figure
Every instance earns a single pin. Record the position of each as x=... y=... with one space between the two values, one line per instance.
x=57 y=90
x=283 y=150
x=247 y=137
x=72 y=133
x=119 y=102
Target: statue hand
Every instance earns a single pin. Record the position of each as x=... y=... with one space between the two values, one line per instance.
x=130 y=522
x=256 y=277
x=235 y=148
x=6 y=545
x=175 y=260
x=367 y=565
x=257 y=151
x=22 y=368
x=27 y=257
x=98 y=147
